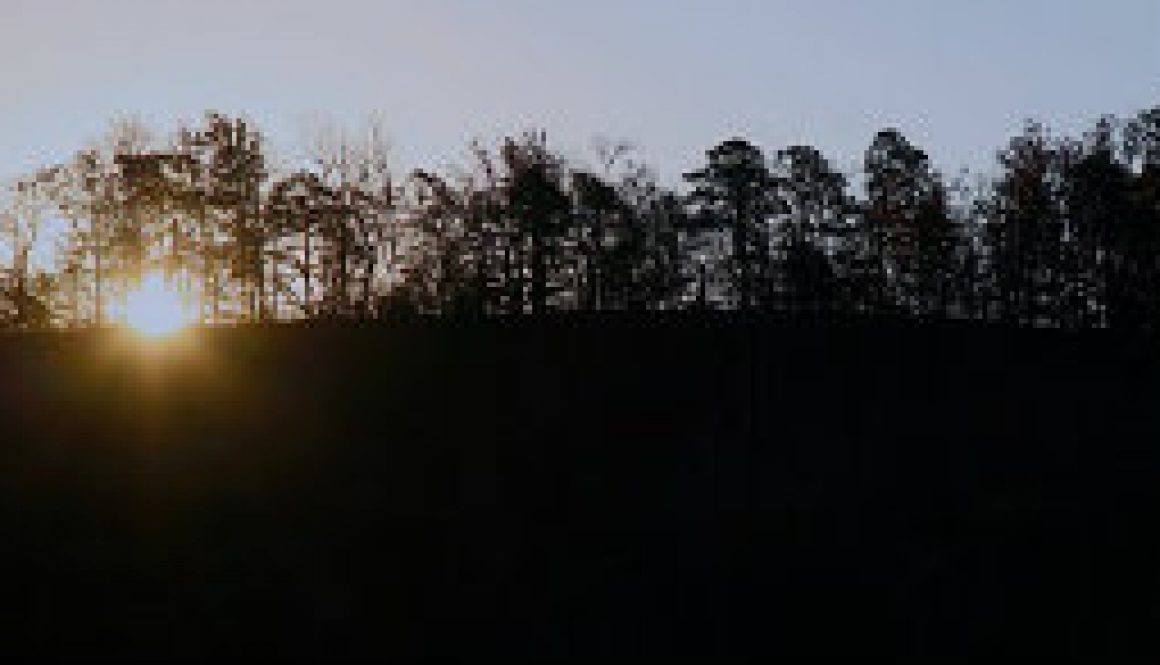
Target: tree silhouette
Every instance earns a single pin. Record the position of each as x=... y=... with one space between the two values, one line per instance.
x=906 y=222
x=1027 y=228
x=1141 y=158
x=296 y=206
x=599 y=212
x=1066 y=234
x=537 y=201
x=237 y=170
x=734 y=192
x=22 y=305
x=814 y=229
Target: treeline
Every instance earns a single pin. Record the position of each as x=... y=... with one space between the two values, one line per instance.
x=1065 y=233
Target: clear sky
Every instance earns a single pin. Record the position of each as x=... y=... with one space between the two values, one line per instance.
x=675 y=76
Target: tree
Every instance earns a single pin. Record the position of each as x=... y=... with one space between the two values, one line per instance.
x=22 y=305
x=295 y=209
x=907 y=224
x=1067 y=234
x=626 y=229
x=1115 y=241
x=650 y=260
x=599 y=211
x=356 y=170
x=1027 y=231
x=1141 y=159
x=237 y=169
x=734 y=192
x=536 y=200
x=813 y=228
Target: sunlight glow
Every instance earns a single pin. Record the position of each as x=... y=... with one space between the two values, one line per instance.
x=155 y=309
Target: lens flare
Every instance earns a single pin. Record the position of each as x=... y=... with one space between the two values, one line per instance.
x=155 y=309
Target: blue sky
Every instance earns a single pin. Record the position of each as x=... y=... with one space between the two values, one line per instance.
x=674 y=76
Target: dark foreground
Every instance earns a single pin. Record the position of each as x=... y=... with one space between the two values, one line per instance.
x=580 y=490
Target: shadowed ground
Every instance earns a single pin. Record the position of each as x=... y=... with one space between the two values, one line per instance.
x=580 y=488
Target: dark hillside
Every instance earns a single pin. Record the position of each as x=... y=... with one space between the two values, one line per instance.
x=583 y=487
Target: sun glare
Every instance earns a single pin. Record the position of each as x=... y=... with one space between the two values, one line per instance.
x=156 y=309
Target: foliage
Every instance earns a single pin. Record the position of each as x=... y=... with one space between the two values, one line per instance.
x=1067 y=234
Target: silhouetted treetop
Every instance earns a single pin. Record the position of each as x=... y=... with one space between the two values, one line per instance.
x=1065 y=234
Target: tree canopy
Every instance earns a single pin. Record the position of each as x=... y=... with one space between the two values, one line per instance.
x=1065 y=234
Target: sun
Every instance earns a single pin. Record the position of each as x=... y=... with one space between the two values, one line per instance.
x=155 y=309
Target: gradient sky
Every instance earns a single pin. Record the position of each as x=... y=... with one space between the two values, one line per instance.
x=675 y=76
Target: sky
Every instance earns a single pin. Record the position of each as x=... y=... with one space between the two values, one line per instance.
x=672 y=76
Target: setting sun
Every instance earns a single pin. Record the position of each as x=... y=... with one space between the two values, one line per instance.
x=155 y=309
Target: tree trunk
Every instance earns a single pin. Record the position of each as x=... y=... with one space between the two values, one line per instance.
x=98 y=277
